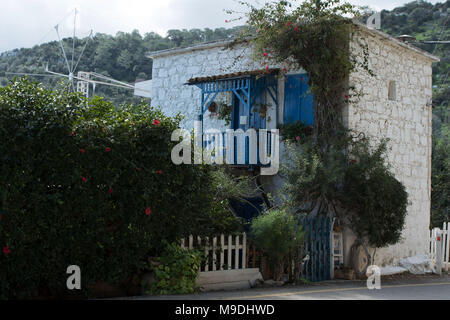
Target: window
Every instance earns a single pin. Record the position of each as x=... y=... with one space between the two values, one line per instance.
x=298 y=101
x=392 y=91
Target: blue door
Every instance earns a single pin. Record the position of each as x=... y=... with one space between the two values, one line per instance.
x=255 y=121
x=298 y=101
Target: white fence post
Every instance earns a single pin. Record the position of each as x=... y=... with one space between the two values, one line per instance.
x=236 y=253
x=447 y=246
x=244 y=250
x=439 y=252
x=230 y=248
x=222 y=246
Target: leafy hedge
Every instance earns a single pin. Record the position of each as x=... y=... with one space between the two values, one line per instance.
x=85 y=184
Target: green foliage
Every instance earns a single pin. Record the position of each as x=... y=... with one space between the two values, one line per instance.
x=176 y=271
x=277 y=233
x=85 y=184
x=355 y=185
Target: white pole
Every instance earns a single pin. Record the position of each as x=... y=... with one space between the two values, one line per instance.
x=438 y=252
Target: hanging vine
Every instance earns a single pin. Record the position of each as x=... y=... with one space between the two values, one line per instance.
x=337 y=171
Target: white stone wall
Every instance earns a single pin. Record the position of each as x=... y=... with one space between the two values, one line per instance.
x=406 y=121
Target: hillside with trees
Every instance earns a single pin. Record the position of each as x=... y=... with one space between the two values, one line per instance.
x=122 y=57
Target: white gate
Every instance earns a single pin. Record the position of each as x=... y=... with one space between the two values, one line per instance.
x=440 y=247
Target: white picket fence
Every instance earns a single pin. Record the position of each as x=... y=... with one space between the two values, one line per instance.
x=442 y=238
x=222 y=252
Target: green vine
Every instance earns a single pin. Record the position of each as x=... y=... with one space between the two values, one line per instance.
x=336 y=171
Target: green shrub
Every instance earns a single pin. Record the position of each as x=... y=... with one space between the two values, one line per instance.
x=176 y=271
x=277 y=233
x=350 y=179
x=85 y=184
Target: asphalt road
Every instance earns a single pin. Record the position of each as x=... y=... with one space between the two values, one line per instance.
x=437 y=288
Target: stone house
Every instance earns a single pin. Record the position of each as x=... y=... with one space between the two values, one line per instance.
x=395 y=103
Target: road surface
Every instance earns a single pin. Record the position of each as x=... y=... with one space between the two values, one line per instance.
x=436 y=288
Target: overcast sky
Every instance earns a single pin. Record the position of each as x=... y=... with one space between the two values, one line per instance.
x=25 y=23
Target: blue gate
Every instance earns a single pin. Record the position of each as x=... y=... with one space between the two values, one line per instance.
x=318 y=248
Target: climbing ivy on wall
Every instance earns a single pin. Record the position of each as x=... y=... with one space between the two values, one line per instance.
x=336 y=170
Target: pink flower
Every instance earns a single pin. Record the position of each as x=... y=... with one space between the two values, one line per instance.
x=226 y=21
x=160 y=172
x=148 y=211
x=298 y=138
x=288 y=24
x=284 y=70
x=346 y=97
x=72 y=134
x=110 y=191
x=267 y=67
x=6 y=250
x=295 y=29
x=83 y=179
x=156 y=123
x=108 y=149
x=265 y=54
x=82 y=150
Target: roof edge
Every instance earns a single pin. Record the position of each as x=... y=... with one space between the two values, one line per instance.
x=222 y=43
x=196 y=47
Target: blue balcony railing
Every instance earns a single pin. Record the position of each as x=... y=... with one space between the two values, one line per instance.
x=239 y=148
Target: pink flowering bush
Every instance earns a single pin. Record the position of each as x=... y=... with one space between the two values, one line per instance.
x=80 y=185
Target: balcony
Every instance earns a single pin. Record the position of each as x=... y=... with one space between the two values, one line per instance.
x=236 y=148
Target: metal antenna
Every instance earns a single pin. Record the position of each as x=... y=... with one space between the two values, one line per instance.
x=73 y=39
x=62 y=48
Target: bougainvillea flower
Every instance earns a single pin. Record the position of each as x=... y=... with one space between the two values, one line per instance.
x=298 y=138
x=288 y=24
x=82 y=150
x=265 y=54
x=160 y=172
x=284 y=70
x=83 y=179
x=156 y=123
x=267 y=67
x=148 y=211
x=295 y=29
x=72 y=134
x=6 y=250
x=108 y=149
x=346 y=97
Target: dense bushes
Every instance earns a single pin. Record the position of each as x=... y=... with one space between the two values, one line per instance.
x=351 y=180
x=85 y=184
x=277 y=234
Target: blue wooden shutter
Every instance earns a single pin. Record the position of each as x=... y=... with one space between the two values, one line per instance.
x=298 y=102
